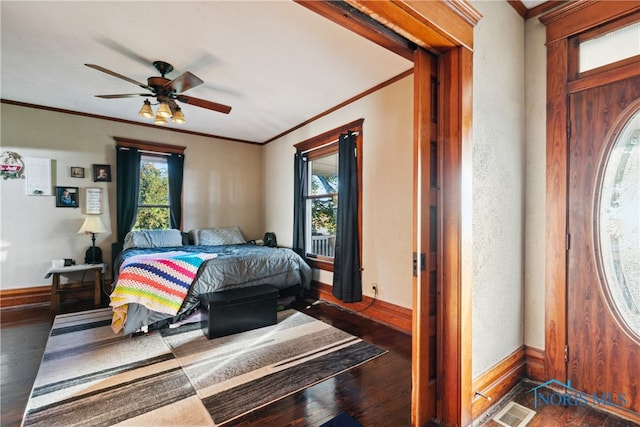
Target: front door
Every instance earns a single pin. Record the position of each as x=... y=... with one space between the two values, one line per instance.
x=603 y=258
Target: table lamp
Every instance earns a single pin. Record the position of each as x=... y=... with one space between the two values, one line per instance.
x=93 y=225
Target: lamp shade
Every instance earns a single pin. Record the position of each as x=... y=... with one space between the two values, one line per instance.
x=160 y=120
x=178 y=117
x=164 y=110
x=93 y=224
x=146 y=110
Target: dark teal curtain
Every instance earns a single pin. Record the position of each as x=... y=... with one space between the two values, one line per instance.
x=128 y=187
x=175 y=165
x=347 y=276
x=300 y=183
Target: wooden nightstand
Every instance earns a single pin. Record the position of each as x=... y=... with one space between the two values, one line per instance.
x=55 y=272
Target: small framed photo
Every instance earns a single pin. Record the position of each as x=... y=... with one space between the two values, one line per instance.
x=93 y=200
x=77 y=172
x=101 y=173
x=67 y=197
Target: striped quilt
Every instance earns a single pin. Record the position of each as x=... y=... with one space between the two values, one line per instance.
x=159 y=282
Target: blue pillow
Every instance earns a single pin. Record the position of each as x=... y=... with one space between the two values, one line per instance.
x=153 y=239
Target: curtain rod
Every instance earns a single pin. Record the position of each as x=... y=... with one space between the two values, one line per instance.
x=154 y=147
x=328 y=143
x=155 y=153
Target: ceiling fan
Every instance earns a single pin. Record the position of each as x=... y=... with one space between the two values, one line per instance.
x=166 y=92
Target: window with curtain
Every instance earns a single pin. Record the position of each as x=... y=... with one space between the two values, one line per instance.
x=149 y=185
x=153 y=194
x=318 y=195
x=322 y=205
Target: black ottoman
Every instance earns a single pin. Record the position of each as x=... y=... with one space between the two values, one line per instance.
x=238 y=310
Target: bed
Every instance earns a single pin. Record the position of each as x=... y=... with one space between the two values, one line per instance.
x=209 y=260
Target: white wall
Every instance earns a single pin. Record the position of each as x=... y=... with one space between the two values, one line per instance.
x=498 y=184
x=498 y=188
x=222 y=186
x=225 y=184
x=535 y=188
x=387 y=187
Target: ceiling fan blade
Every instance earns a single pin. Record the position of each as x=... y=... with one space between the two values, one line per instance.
x=124 y=95
x=120 y=76
x=204 y=104
x=184 y=82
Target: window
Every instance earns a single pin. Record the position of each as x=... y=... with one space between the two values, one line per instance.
x=153 y=196
x=320 y=201
x=148 y=185
x=610 y=47
x=322 y=205
x=619 y=234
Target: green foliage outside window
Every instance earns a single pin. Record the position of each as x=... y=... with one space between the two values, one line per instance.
x=153 y=206
x=323 y=210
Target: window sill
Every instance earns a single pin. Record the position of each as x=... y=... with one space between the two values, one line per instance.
x=320 y=264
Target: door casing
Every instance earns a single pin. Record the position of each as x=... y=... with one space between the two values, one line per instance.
x=445 y=29
x=564 y=22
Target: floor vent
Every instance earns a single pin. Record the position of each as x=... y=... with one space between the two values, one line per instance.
x=514 y=415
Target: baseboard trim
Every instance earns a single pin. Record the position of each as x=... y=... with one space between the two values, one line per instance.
x=534 y=359
x=13 y=298
x=380 y=311
x=10 y=298
x=394 y=316
x=496 y=382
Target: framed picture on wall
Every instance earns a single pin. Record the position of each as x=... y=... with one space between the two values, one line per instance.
x=93 y=200
x=102 y=173
x=67 y=197
x=77 y=172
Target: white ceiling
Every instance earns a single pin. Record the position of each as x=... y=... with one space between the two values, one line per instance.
x=275 y=62
x=530 y=4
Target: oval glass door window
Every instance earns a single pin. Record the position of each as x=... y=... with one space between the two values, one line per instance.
x=619 y=225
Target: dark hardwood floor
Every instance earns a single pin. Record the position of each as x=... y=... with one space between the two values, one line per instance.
x=376 y=393
x=23 y=335
x=585 y=416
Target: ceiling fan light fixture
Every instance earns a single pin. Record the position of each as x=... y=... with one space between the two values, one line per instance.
x=178 y=117
x=164 y=91
x=164 y=110
x=146 y=110
x=160 y=120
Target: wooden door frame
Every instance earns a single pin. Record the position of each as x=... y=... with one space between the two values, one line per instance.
x=443 y=28
x=562 y=23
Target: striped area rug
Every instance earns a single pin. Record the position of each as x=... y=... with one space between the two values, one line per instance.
x=91 y=377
